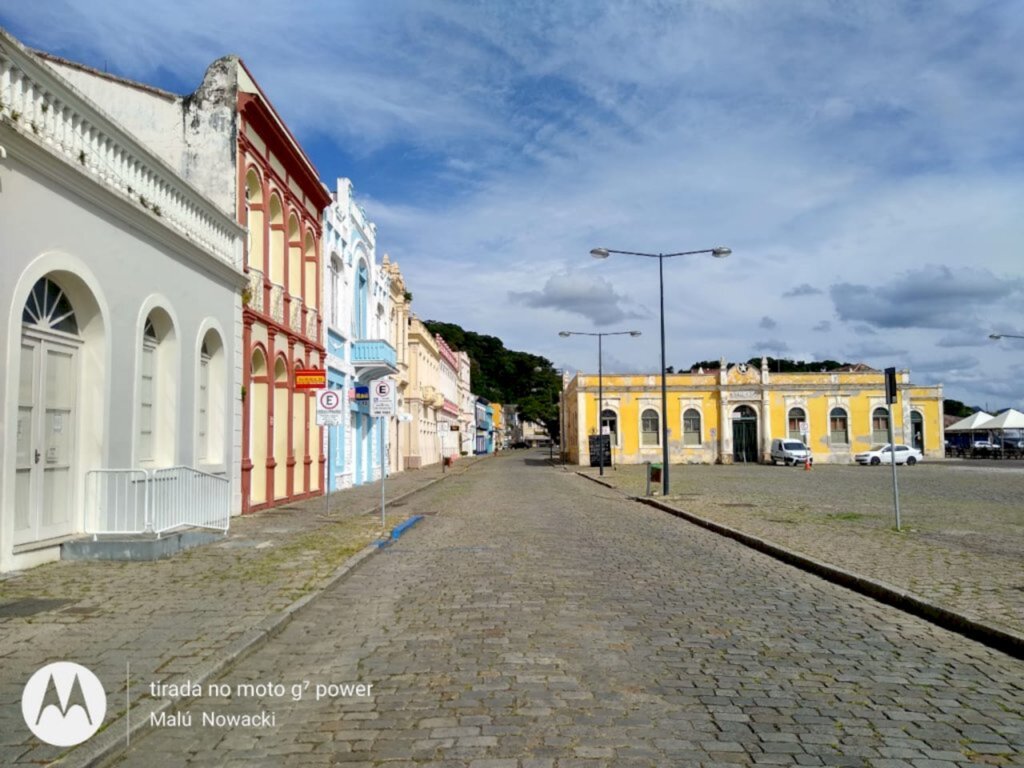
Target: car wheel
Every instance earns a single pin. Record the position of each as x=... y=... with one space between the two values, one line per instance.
x=911 y=461
x=875 y=460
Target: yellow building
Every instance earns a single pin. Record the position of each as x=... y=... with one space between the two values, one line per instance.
x=733 y=414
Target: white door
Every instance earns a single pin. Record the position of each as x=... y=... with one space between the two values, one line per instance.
x=44 y=463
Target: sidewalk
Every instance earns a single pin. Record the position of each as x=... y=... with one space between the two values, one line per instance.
x=958 y=560
x=188 y=616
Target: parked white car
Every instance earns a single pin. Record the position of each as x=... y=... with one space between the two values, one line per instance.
x=882 y=454
x=790 y=452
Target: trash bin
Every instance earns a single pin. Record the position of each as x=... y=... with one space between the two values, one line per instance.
x=653 y=475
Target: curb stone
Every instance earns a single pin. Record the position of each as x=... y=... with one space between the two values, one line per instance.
x=114 y=738
x=1006 y=641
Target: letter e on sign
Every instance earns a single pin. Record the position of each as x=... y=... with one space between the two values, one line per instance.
x=328 y=407
x=382 y=397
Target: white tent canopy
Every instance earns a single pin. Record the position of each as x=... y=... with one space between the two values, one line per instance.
x=1008 y=419
x=974 y=422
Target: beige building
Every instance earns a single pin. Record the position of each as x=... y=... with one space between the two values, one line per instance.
x=423 y=397
x=399 y=436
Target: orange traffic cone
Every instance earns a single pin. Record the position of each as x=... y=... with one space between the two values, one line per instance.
x=807 y=464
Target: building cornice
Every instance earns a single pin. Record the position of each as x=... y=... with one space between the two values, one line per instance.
x=29 y=151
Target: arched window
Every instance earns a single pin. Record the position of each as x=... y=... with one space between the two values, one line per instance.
x=795 y=423
x=294 y=257
x=254 y=221
x=610 y=421
x=48 y=308
x=362 y=288
x=650 y=431
x=310 y=295
x=275 y=265
x=335 y=297
x=691 y=427
x=211 y=405
x=917 y=429
x=880 y=425
x=157 y=417
x=838 y=427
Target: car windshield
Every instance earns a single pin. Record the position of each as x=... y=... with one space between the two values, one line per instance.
x=882 y=447
x=794 y=446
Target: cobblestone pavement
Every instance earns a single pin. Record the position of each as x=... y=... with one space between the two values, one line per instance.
x=541 y=620
x=169 y=618
x=962 y=543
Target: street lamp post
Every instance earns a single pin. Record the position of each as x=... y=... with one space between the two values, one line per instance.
x=997 y=336
x=718 y=253
x=600 y=387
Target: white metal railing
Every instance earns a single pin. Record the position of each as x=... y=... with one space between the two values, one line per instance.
x=131 y=501
x=38 y=103
x=182 y=496
x=116 y=501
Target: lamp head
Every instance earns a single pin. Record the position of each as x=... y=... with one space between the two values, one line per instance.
x=564 y=333
x=599 y=253
x=720 y=252
x=634 y=333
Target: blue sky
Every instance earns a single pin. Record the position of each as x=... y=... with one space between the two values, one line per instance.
x=864 y=161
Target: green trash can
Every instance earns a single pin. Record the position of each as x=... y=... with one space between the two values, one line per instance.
x=653 y=475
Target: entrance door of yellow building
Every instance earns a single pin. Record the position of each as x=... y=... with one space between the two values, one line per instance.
x=744 y=435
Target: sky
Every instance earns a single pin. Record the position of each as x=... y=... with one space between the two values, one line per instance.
x=864 y=162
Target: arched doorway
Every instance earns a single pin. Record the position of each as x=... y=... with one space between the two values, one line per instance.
x=917 y=429
x=45 y=462
x=744 y=435
x=259 y=417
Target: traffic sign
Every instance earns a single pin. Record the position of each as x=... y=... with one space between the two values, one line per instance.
x=328 y=407
x=382 y=397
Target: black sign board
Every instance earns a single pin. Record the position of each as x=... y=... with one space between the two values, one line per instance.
x=890 y=385
x=599 y=444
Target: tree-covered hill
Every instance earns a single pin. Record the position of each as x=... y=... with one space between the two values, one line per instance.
x=506 y=376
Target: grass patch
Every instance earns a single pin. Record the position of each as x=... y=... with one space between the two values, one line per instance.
x=846 y=516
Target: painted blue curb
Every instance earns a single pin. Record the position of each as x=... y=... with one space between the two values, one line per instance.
x=398 y=530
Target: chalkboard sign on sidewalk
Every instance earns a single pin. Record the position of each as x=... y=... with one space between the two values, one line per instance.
x=597 y=444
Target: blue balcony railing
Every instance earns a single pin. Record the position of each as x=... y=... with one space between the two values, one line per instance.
x=368 y=351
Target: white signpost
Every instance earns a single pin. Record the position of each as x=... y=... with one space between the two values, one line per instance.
x=328 y=414
x=382 y=404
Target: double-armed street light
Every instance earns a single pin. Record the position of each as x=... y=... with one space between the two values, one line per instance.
x=600 y=387
x=997 y=336
x=718 y=253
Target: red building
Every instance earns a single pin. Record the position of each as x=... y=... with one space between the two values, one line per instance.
x=280 y=201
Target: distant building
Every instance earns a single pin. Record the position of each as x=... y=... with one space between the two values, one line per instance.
x=731 y=415
x=359 y=322
x=484 y=427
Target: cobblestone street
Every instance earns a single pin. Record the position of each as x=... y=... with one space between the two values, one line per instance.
x=536 y=619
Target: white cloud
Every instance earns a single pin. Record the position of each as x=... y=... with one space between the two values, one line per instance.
x=869 y=146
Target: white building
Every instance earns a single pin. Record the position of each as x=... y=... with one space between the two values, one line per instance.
x=467 y=406
x=121 y=338
x=357 y=306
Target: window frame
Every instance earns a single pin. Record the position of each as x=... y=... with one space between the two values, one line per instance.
x=644 y=417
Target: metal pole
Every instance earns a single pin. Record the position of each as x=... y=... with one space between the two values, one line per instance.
x=327 y=472
x=895 y=483
x=600 y=402
x=664 y=382
x=383 y=475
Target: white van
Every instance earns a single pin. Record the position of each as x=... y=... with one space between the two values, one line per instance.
x=790 y=452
